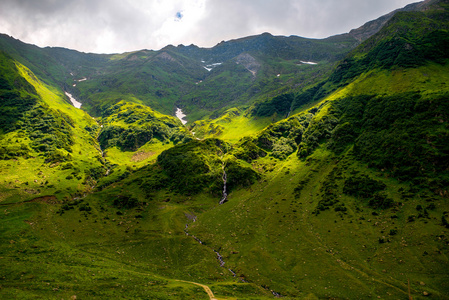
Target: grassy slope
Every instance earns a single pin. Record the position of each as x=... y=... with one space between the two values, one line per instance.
x=272 y=237
x=73 y=237
x=232 y=126
x=119 y=250
x=297 y=231
x=429 y=79
x=54 y=261
x=74 y=247
x=154 y=79
x=268 y=233
x=25 y=178
x=176 y=75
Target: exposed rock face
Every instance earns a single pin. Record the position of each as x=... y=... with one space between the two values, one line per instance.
x=249 y=62
x=166 y=56
x=369 y=29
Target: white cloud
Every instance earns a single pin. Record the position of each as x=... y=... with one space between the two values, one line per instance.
x=175 y=30
x=124 y=25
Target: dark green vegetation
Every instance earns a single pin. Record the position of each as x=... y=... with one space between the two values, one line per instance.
x=407 y=40
x=240 y=72
x=336 y=174
x=130 y=126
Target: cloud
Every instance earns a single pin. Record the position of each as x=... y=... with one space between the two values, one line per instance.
x=106 y=26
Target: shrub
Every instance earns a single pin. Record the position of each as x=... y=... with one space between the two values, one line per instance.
x=367 y=188
x=362 y=186
x=444 y=222
x=125 y=201
x=248 y=150
x=239 y=175
x=380 y=200
x=280 y=105
x=85 y=207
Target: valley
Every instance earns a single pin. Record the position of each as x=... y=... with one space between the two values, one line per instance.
x=264 y=167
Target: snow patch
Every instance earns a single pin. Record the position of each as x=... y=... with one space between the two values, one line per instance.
x=309 y=62
x=180 y=115
x=73 y=100
x=211 y=66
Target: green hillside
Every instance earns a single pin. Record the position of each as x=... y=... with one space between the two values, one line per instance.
x=289 y=180
x=45 y=149
x=204 y=82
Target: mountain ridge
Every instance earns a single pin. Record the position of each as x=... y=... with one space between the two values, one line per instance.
x=302 y=181
x=372 y=27
x=282 y=49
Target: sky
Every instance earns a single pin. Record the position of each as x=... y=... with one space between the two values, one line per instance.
x=117 y=26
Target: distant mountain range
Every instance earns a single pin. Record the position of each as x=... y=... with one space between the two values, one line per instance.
x=307 y=169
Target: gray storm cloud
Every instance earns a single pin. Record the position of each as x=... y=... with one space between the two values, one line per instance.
x=108 y=26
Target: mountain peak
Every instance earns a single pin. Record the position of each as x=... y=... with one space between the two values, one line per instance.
x=372 y=27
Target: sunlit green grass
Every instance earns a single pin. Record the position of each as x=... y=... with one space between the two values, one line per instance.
x=231 y=126
x=63 y=234
x=267 y=230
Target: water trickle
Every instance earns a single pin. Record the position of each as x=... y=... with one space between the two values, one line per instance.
x=224 y=198
x=222 y=262
x=220 y=258
x=233 y=273
x=276 y=294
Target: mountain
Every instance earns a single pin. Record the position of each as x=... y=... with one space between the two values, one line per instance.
x=291 y=179
x=372 y=27
x=202 y=81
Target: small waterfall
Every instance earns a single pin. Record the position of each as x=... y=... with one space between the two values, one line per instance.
x=197 y=239
x=276 y=294
x=220 y=258
x=224 y=198
x=222 y=262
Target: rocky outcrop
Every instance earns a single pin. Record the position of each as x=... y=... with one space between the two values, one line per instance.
x=369 y=29
x=165 y=56
x=249 y=62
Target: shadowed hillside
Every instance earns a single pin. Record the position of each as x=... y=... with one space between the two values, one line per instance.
x=308 y=169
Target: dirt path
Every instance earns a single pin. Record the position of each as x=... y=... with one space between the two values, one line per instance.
x=205 y=287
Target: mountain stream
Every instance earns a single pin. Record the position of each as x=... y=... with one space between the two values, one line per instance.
x=224 y=198
x=219 y=257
